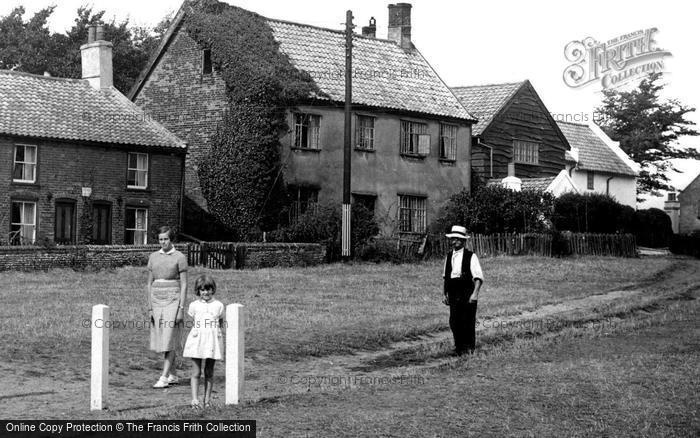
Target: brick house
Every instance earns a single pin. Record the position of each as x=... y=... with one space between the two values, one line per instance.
x=596 y=164
x=684 y=208
x=82 y=162
x=411 y=136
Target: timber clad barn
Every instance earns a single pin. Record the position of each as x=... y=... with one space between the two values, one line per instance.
x=410 y=134
x=80 y=162
x=516 y=129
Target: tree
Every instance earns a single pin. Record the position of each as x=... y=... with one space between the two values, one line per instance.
x=25 y=46
x=647 y=129
x=31 y=48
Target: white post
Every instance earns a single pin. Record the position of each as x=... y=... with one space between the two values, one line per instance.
x=99 y=368
x=235 y=348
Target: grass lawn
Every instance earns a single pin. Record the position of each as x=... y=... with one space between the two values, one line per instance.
x=637 y=378
x=292 y=313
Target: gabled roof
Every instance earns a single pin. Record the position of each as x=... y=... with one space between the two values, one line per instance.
x=70 y=109
x=593 y=151
x=384 y=74
x=486 y=101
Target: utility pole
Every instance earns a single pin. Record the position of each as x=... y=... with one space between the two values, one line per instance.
x=347 y=150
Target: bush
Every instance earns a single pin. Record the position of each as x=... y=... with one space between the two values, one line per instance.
x=598 y=213
x=592 y=213
x=686 y=245
x=324 y=225
x=653 y=228
x=496 y=209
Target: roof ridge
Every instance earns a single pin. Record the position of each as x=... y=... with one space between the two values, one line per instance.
x=585 y=125
x=34 y=75
x=461 y=87
x=328 y=29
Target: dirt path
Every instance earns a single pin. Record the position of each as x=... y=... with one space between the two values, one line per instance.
x=27 y=396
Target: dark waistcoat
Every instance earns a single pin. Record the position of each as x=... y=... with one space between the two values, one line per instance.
x=462 y=287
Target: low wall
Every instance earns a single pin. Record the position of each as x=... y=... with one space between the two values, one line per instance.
x=248 y=255
x=264 y=255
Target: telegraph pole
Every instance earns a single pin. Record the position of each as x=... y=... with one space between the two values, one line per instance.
x=347 y=155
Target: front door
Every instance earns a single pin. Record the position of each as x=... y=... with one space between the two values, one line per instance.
x=64 y=232
x=102 y=225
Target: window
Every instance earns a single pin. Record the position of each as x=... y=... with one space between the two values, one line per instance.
x=206 y=62
x=414 y=138
x=364 y=132
x=64 y=224
x=137 y=177
x=306 y=131
x=136 y=222
x=590 y=176
x=303 y=199
x=22 y=223
x=25 y=164
x=412 y=215
x=366 y=201
x=448 y=142
x=672 y=196
x=526 y=152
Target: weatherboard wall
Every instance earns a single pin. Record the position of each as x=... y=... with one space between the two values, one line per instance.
x=523 y=119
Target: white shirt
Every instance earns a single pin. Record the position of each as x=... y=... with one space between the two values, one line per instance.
x=474 y=265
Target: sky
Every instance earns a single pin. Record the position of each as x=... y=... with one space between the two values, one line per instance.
x=481 y=42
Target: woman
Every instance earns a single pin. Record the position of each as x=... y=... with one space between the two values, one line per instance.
x=166 y=293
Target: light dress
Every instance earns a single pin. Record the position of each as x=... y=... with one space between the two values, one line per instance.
x=206 y=340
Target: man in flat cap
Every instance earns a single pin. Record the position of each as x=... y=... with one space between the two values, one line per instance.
x=463 y=279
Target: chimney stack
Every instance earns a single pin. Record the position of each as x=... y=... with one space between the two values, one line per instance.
x=371 y=30
x=400 y=25
x=511 y=181
x=96 y=57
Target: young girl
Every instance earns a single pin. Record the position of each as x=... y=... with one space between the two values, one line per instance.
x=205 y=343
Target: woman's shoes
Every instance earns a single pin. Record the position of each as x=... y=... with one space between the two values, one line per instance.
x=195 y=404
x=162 y=383
x=173 y=379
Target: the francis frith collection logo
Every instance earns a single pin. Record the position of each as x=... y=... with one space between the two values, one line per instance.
x=615 y=61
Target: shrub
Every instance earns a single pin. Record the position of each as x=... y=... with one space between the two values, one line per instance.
x=653 y=228
x=324 y=224
x=591 y=213
x=496 y=209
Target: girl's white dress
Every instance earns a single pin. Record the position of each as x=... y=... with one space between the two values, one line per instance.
x=206 y=340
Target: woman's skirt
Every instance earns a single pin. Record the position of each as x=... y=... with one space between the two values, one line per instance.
x=165 y=300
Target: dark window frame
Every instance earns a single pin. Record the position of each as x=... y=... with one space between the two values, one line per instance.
x=305 y=135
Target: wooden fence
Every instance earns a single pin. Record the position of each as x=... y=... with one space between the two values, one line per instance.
x=616 y=245
x=543 y=245
x=496 y=244
x=212 y=255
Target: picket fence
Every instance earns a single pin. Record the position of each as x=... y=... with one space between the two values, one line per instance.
x=543 y=245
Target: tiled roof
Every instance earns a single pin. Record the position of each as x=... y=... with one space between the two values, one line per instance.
x=70 y=109
x=485 y=101
x=537 y=183
x=594 y=154
x=541 y=184
x=384 y=74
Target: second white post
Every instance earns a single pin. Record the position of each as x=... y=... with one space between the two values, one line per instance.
x=235 y=348
x=99 y=364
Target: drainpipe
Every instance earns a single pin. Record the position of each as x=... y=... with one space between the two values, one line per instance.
x=490 y=148
x=607 y=185
x=181 y=219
